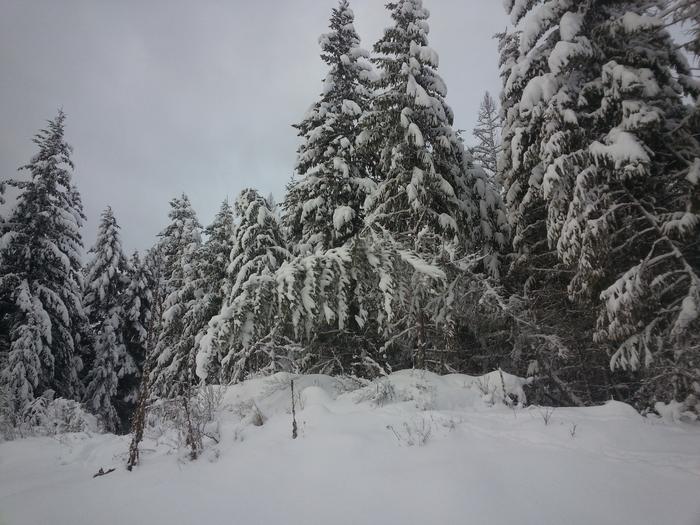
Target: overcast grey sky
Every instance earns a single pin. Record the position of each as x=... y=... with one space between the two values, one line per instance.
x=171 y=96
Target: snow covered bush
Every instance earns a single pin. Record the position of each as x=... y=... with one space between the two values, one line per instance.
x=415 y=432
x=189 y=423
x=249 y=413
x=384 y=393
x=47 y=416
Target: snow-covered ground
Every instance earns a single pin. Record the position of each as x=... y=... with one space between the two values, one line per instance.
x=411 y=448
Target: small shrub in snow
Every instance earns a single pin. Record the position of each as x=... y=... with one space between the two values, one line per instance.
x=186 y=421
x=572 y=430
x=546 y=413
x=414 y=433
x=209 y=400
x=46 y=416
x=344 y=384
x=384 y=393
x=487 y=389
x=250 y=413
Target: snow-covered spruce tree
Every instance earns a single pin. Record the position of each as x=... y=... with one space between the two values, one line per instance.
x=40 y=279
x=137 y=305
x=173 y=368
x=284 y=313
x=600 y=139
x=430 y=195
x=542 y=72
x=21 y=361
x=633 y=221
x=486 y=133
x=105 y=282
x=429 y=189
x=240 y=335
x=323 y=208
x=541 y=130
x=105 y=277
x=211 y=263
x=153 y=268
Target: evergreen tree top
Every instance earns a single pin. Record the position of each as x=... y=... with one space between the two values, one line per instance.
x=51 y=170
x=253 y=209
x=182 y=214
x=105 y=273
x=178 y=246
x=54 y=152
x=223 y=224
x=183 y=230
x=340 y=49
x=135 y=259
x=334 y=180
x=411 y=25
x=216 y=251
x=258 y=243
x=345 y=89
x=430 y=188
x=410 y=85
x=48 y=214
x=108 y=231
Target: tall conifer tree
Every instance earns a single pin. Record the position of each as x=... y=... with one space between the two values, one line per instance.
x=105 y=283
x=249 y=309
x=598 y=170
x=40 y=279
x=212 y=262
x=323 y=208
x=173 y=371
x=137 y=305
x=429 y=190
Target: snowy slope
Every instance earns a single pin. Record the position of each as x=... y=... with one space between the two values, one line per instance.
x=360 y=458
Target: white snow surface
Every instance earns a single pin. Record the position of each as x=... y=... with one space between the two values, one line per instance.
x=411 y=448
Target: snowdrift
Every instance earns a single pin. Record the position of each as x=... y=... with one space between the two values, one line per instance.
x=413 y=447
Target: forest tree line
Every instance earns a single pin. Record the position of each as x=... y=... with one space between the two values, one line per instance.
x=563 y=247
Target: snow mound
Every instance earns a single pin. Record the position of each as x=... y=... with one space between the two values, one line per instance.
x=411 y=447
x=428 y=391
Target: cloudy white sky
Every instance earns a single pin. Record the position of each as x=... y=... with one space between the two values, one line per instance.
x=172 y=96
